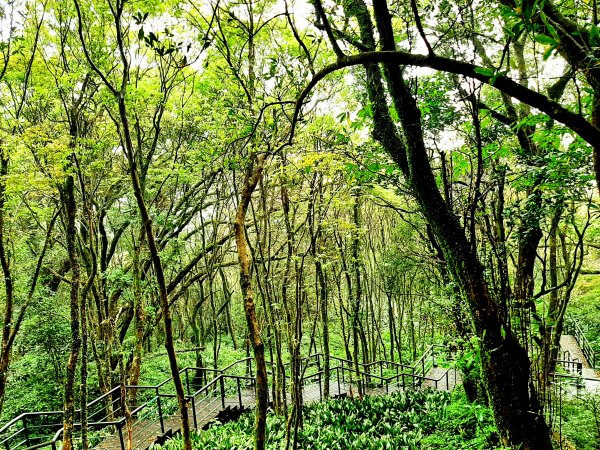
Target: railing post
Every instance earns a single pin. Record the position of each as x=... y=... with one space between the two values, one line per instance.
x=338 y=381
x=222 y=383
x=239 y=393
x=121 y=440
x=320 y=387
x=194 y=410
x=187 y=380
x=268 y=395
x=26 y=431
x=160 y=413
x=365 y=382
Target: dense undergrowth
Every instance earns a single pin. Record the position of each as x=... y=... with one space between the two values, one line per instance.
x=404 y=420
x=581 y=422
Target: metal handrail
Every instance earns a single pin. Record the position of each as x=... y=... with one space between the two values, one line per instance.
x=365 y=373
x=103 y=396
x=28 y=414
x=576 y=378
x=239 y=361
x=592 y=356
x=570 y=364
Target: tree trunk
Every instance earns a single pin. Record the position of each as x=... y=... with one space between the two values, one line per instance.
x=140 y=319
x=160 y=276
x=505 y=363
x=356 y=294
x=262 y=388
x=8 y=284
x=67 y=194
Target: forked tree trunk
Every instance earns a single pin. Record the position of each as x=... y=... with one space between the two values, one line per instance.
x=132 y=153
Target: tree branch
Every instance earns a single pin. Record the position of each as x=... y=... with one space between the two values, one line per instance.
x=554 y=110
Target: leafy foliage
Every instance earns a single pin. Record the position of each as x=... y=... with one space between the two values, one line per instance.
x=404 y=420
x=581 y=425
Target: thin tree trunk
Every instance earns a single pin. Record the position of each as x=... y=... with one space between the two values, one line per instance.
x=140 y=319
x=160 y=279
x=356 y=294
x=132 y=154
x=8 y=283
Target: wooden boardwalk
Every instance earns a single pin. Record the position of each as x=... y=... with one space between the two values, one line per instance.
x=444 y=382
x=156 y=418
x=590 y=381
x=145 y=432
x=569 y=343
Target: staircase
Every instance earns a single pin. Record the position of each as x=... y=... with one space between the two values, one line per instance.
x=580 y=361
x=151 y=413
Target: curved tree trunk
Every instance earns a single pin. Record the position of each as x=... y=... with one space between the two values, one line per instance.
x=133 y=155
x=262 y=388
x=505 y=363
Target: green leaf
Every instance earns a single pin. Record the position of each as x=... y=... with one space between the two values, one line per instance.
x=516 y=30
x=549 y=51
x=549 y=26
x=545 y=40
x=594 y=36
x=483 y=71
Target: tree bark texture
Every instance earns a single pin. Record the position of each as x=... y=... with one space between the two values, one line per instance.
x=67 y=195
x=262 y=389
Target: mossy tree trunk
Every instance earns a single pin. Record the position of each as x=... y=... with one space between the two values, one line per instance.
x=67 y=196
x=505 y=363
x=253 y=175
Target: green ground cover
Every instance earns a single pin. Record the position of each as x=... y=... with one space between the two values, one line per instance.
x=403 y=420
